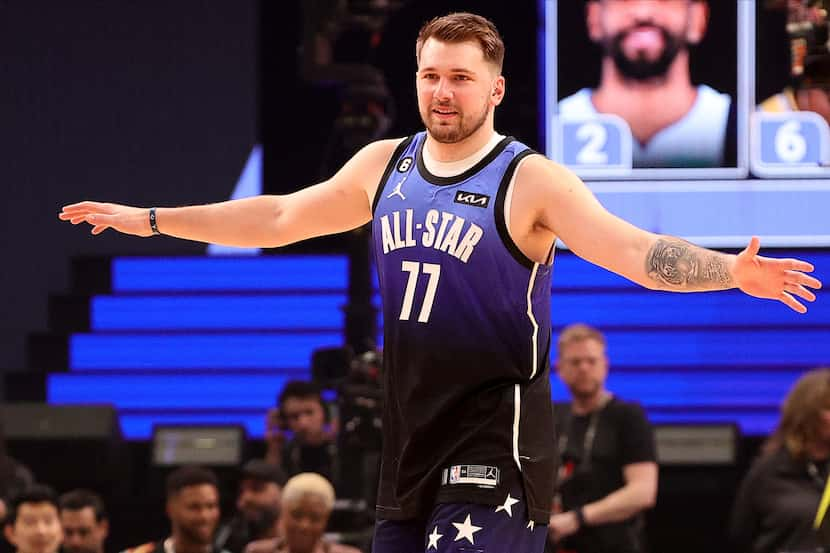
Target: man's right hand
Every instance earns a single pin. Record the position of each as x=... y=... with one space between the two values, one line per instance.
x=126 y=219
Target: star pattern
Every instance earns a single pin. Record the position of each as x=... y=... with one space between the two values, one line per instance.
x=508 y=506
x=531 y=525
x=466 y=530
x=433 y=538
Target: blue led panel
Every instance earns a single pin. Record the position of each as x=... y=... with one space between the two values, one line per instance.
x=150 y=351
x=699 y=348
x=266 y=273
x=218 y=312
x=665 y=309
x=697 y=389
x=169 y=391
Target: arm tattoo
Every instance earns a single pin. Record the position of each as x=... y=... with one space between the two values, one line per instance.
x=678 y=265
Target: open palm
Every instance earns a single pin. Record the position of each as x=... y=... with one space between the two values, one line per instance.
x=775 y=279
x=126 y=219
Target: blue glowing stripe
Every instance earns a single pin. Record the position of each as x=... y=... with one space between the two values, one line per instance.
x=197 y=351
x=697 y=389
x=169 y=391
x=570 y=271
x=666 y=348
x=266 y=273
x=220 y=312
x=750 y=423
x=665 y=309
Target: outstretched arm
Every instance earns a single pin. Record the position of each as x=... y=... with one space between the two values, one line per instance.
x=570 y=211
x=339 y=204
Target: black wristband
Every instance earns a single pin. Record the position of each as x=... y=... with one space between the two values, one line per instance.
x=153 y=223
x=580 y=517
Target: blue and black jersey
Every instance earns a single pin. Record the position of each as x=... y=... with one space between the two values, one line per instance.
x=466 y=339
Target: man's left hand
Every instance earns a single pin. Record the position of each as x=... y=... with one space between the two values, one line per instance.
x=775 y=279
x=562 y=525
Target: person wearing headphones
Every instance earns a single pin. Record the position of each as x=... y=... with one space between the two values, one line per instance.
x=299 y=435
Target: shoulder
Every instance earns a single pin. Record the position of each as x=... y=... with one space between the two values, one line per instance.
x=379 y=152
x=627 y=409
x=710 y=99
x=148 y=547
x=537 y=173
x=577 y=105
x=770 y=463
x=341 y=548
x=262 y=546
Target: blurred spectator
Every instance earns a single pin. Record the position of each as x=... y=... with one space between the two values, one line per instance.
x=32 y=524
x=302 y=415
x=807 y=25
x=778 y=499
x=308 y=500
x=85 y=522
x=608 y=469
x=645 y=79
x=193 y=510
x=258 y=507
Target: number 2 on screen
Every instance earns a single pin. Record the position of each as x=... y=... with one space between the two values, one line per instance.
x=414 y=269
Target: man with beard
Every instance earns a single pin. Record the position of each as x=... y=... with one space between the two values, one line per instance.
x=645 y=80
x=608 y=468
x=258 y=507
x=84 y=521
x=464 y=222
x=193 y=509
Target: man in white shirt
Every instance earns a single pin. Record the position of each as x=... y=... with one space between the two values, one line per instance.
x=645 y=80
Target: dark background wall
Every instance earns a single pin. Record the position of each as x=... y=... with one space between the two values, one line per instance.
x=140 y=102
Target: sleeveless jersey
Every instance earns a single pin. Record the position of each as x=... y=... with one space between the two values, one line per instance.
x=466 y=318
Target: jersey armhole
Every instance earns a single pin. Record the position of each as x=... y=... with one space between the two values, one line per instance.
x=393 y=161
x=500 y=214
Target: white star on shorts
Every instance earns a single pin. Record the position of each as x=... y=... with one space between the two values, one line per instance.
x=508 y=506
x=433 y=539
x=466 y=530
x=531 y=525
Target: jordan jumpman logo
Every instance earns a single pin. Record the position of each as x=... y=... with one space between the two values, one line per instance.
x=397 y=190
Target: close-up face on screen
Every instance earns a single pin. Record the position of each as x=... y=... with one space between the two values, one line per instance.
x=639 y=86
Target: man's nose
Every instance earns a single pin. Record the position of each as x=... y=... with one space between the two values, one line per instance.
x=443 y=91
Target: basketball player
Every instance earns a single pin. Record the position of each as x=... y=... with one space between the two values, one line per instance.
x=464 y=222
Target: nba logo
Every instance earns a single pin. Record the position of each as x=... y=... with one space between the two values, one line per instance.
x=455 y=474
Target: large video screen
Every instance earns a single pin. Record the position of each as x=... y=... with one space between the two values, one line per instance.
x=702 y=118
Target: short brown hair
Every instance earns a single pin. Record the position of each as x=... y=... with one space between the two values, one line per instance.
x=577 y=333
x=464 y=27
x=800 y=413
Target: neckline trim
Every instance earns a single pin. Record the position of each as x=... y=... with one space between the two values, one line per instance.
x=446 y=181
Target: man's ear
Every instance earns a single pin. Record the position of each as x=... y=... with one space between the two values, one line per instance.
x=497 y=92
x=8 y=531
x=592 y=20
x=698 y=21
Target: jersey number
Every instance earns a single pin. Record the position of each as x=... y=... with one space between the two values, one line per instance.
x=414 y=269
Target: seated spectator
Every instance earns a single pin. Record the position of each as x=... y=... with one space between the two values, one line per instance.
x=193 y=510
x=312 y=445
x=84 y=520
x=258 y=507
x=32 y=524
x=778 y=499
x=307 y=502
